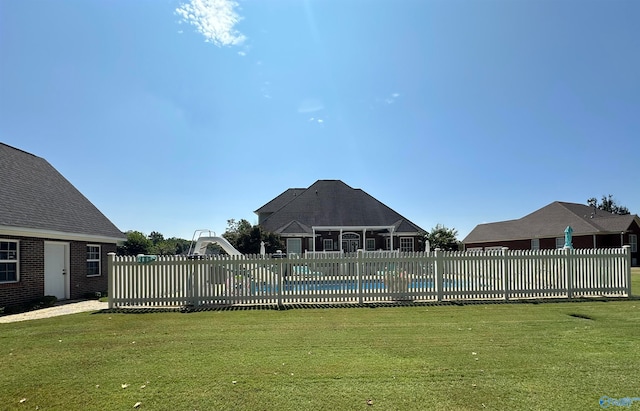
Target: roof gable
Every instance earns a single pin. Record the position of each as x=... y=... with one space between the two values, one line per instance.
x=334 y=203
x=37 y=198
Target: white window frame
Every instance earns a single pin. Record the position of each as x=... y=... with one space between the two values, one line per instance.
x=559 y=242
x=633 y=242
x=294 y=243
x=327 y=244
x=310 y=246
x=7 y=260
x=91 y=258
x=370 y=244
x=535 y=244
x=407 y=244
x=387 y=243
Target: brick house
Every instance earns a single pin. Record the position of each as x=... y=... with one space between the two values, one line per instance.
x=53 y=240
x=331 y=216
x=544 y=229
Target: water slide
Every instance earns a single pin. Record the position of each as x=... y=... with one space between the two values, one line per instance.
x=202 y=243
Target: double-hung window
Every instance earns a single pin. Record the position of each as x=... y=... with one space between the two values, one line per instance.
x=406 y=244
x=371 y=244
x=9 y=261
x=559 y=242
x=633 y=242
x=535 y=244
x=93 y=260
x=327 y=244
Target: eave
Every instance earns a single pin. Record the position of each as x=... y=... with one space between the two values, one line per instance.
x=58 y=235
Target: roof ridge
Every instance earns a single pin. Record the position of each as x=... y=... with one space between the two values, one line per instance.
x=589 y=221
x=20 y=150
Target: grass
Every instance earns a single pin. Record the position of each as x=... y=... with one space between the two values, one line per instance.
x=494 y=356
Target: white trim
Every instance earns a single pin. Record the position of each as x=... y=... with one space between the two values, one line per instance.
x=99 y=260
x=535 y=243
x=633 y=242
x=366 y=244
x=67 y=267
x=352 y=227
x=58 y=235
x=405 y=239
x=292 y=241
x=17 y=259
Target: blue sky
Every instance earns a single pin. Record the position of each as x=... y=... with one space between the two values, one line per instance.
x=174 y=116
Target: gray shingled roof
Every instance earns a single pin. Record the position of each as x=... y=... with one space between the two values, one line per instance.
x=330 y=203
x=279 y=201
x=551 y=221
x=35 y=196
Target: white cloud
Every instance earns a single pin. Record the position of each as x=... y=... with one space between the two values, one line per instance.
x=214 y=19
x=310 y=105
x=242 y=53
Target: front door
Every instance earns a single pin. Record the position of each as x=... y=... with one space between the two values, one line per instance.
x=350 y=242
x=56 y=270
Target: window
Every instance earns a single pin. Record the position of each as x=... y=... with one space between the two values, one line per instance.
x=93 y=260
x=406 y=244
x=387 y=243
x=310 y=244
x=327 y=244
x=633 y=241
x=371 y=244
x=559 y=242
x=535 y=244
x=294 y=246
x=8 y=261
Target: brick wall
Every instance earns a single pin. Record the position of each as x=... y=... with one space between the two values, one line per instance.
x=31 y=271
x=31 y=275
x=81 y=285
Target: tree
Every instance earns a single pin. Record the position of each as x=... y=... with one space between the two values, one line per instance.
x=247 y=238
x=137 y=243
x=443 y=238
x=608 y=204
x=156 y=237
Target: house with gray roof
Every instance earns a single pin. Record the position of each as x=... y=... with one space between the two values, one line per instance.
x=332 y=216
x=53 y=240
x=544 y=229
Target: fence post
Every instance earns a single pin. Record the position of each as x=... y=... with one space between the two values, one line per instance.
x=627 y=267
x=111 y=277
x=439 y=267
x=359 y=270
x=506 y=278
x=568 y=271
x=279 y=283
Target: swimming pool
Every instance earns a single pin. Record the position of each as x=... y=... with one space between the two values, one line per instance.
x=311 y=286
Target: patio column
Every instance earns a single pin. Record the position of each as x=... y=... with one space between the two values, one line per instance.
x=364 y=239
x=340 y=240
x=313 y=233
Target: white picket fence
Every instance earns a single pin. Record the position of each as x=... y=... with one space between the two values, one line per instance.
x=177 y=281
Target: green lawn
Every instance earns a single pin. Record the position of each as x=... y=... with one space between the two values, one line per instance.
x=494 y=356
